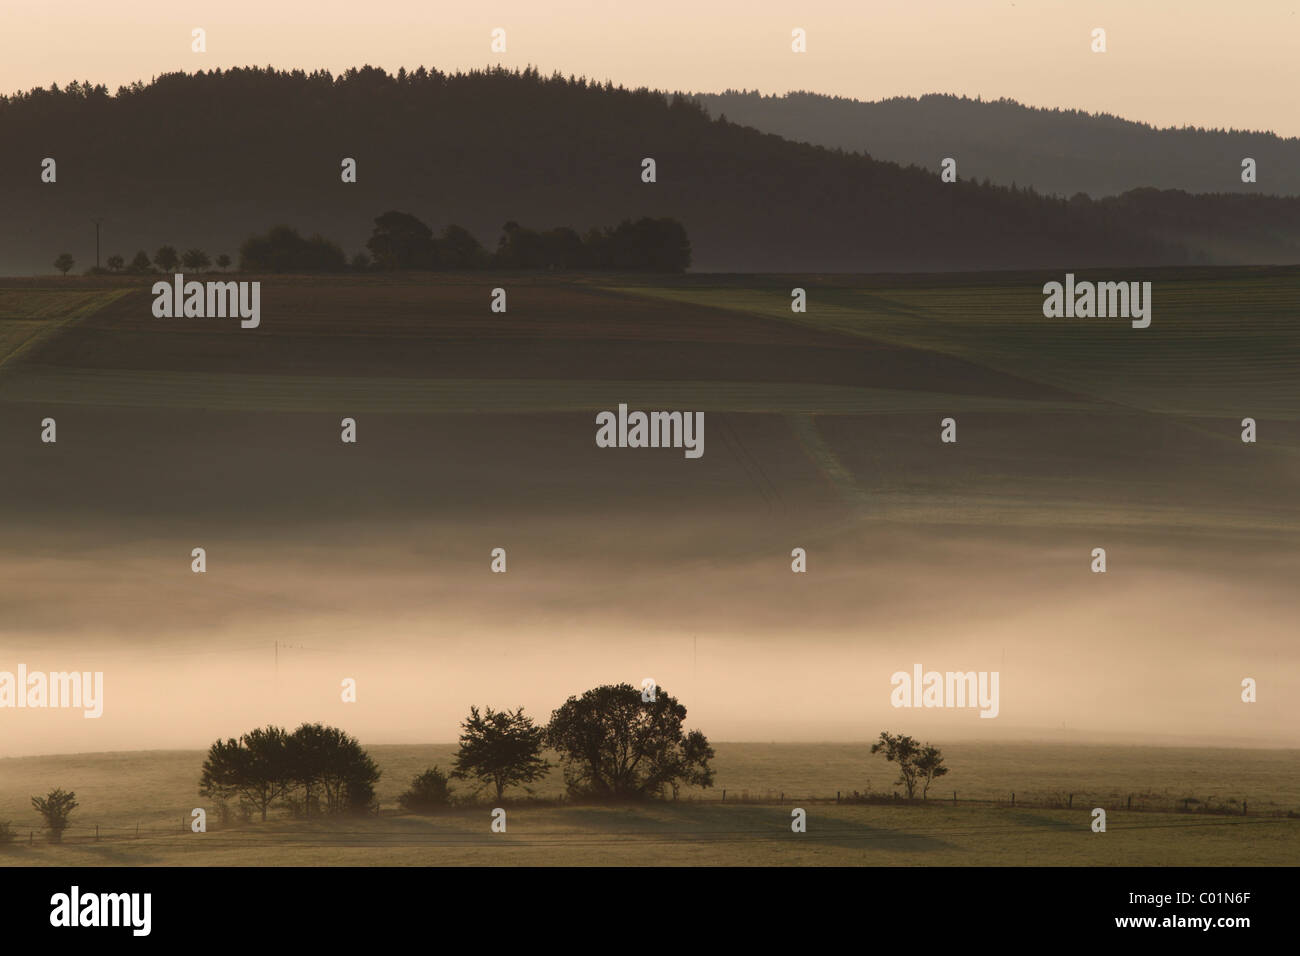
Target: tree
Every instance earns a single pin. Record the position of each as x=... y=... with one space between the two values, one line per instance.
x=615 y=745
x=500 y=747
x=255 y=768
x=56 y=807
x=904 y=751
x=328 y=762
x=115 y=263
x=140 y=265
x=929 y=766
x=650 y=245
x=282 y=249
x=459 y=249
x=429 y=791
x=223 y=261
x=64 y=262
x=195 y=260
x=166 y=259
x=401 y=241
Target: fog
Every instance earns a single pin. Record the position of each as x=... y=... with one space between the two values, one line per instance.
x=1154 y=650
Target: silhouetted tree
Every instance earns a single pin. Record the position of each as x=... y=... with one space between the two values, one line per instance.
x=500 y=747
x=327 y=762
x=430 y=791
x=64 y=262
x=141 y=264
x=56 y=808
x=115 y=263
x=929 y=766
x=255 y=768
x=223 y=261
x=195 y=260
x=615 y=745
x=166 y=259
x=283 y=250
x=904 y=751
x=400 y=241
x=458 y=249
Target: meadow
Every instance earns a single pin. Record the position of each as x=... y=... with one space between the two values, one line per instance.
x=370 y=561
x=156 y=790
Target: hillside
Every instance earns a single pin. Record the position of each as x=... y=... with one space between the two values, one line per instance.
x=206 y=159
x=1060 y=152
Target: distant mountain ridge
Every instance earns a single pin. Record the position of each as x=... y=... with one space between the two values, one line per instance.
x=1055 y=151
x=207 y=159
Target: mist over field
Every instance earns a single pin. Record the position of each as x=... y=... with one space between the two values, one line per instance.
x=371 y=561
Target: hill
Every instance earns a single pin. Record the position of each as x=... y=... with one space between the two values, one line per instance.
x=205 y=159
x=1054 y=151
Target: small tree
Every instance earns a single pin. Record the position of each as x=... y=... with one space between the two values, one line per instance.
x=195 y=260
x=904 y=751
x=223 y=261
x=116 y=263
x=64 y=262
x=56 y=807
x=929 y=766
x=429 y=791
x=500 y=747
x=140 y=265
x=166 y=259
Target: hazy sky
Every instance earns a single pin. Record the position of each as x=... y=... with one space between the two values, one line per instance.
x=1168 y=62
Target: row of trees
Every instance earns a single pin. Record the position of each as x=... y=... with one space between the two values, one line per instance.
x=323 y=768
x=613 y=744
x=166 y=259
x=401 y=241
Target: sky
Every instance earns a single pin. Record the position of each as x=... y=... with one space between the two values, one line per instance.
x=1167 y=62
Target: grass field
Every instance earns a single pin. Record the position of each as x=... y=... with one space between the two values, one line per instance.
x=157 y=789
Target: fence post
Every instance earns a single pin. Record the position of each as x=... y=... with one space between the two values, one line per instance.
x=1013 y=799
x=837 y=796
x=1070 y=805
x=954 y=798
x=1243 y=808
x=31 y=837
x=724 y=796
x=1130 y=801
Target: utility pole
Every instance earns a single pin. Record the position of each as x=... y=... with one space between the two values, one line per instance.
x=97 y=221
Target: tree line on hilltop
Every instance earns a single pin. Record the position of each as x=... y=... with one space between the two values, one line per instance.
x=487 y=146
x=401 y=241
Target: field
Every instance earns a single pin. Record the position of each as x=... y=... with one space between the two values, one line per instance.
x=156 y=790
x=370 y=561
